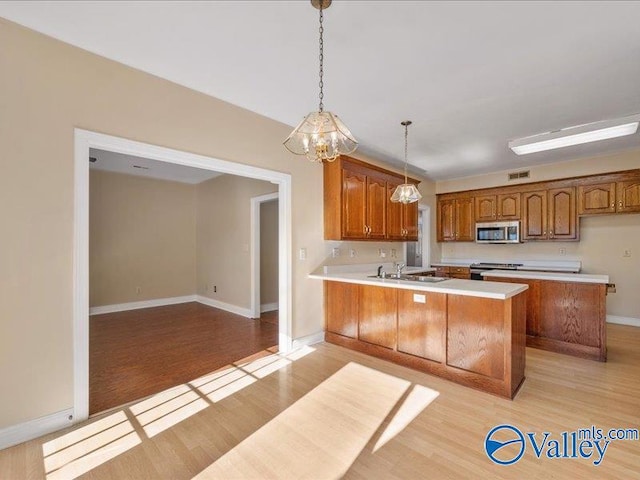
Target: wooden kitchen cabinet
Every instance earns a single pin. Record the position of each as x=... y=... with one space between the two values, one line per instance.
x=377 y=320
x=549 y=215
x=422 y=320
x=357 y=203
x=402 y=219
x=628 y=196
x=455 y=220
x=499 y=207
x=597 y=199
x=565 y=317
x=341 y=307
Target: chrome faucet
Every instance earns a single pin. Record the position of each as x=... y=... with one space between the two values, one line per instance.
x=399 y=267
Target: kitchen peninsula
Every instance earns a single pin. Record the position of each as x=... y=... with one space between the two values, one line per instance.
x=469 y=332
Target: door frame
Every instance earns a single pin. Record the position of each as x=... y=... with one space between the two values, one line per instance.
x=255 y=250
x=84 y=140
x=426 y=234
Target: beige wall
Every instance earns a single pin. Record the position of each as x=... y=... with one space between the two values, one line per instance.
x=142 y=234
x=48 y=88
x=269 y=252
x=602 y=239
x=223 y=237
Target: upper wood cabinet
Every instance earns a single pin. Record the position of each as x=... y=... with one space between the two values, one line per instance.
x=628 y=196
x=455 y=220
x=491 y=208
x=357 y=203
x=609 y=197
x=597 y=198
x=549 y=215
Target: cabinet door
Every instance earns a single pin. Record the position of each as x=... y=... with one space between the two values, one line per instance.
x=563 y=221
x=595 y=199
x=378 y=316
x=341 y=308
x=446 y=220
x=485 y=208
x=533 y=301
x=410 y=221
x=376 y=216
x=509 y=206
x=394 y=216
x=422 y=320
x=629 y=196
x=572 y=312
x=354 y=198
x=534 y=215
x=464 y=220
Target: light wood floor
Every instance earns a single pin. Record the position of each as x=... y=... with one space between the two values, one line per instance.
x=328 y=413
x=137 y=353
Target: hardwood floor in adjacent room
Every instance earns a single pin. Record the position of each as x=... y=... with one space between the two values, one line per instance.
x=327 y=412
x=137 y=353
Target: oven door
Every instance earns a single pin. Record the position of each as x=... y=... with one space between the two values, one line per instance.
x=476 y=274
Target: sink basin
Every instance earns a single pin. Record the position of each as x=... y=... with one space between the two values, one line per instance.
x=411 y=278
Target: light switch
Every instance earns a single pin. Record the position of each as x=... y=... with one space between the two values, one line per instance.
x=417 y=298
x=303 y=254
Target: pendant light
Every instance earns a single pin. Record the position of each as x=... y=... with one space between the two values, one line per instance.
x=321 y=136
x=407 y=192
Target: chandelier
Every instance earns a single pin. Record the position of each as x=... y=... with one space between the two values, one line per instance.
x=321 y=136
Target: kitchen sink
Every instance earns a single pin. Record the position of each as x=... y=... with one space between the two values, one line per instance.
x=411 y=278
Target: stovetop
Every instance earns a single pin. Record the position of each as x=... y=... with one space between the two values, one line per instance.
x=489 y=266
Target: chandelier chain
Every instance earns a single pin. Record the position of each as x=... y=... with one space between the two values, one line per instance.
x=321 y=83
x=406 y=143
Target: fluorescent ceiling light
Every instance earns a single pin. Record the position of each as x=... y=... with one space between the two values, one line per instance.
x=590 y=132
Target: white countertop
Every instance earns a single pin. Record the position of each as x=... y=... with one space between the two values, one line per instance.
x=471 y=288
x=560 y=277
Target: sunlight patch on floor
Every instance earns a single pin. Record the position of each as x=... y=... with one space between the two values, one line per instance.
x=82 y=450
x=418 y=399
x=320 y=435
x=87 y=447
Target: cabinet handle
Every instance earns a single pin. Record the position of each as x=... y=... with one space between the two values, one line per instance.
x=620 y=204
x=613 y=204
x=551 y=233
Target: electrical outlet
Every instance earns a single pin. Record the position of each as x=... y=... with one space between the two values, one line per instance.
x=335 y=252
x=626 y=253
x=138 y=290
x=393 y=253
x=382 y=253
x=352 y=253
x=303 y=254
x=563 y=251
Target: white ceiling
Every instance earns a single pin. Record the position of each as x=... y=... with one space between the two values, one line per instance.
x=144 y=167
x=471 y=75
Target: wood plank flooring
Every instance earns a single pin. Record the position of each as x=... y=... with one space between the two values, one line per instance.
x=137 y=353
x=329 y=412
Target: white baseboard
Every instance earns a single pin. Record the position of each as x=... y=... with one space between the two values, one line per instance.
x=268 y=307
x=34 y=428
x=634 y=322
x=158 y=302
x=245 y=312
x=308 y=340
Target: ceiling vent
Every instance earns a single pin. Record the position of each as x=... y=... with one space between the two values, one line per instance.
x=518 y=175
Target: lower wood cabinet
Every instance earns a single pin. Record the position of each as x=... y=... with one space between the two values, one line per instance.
x=341 y=308
x=565 y=317
x=378 y=316
x=477 y=342
x=421 y=325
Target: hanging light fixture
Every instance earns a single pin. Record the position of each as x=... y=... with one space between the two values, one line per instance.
x=407 y=192
x=321 y=135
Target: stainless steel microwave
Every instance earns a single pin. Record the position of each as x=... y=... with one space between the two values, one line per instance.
x=498 y=232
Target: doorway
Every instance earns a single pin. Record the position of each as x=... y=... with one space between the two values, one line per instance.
x=418 y=253
x=264 y=222
x=84 y=141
